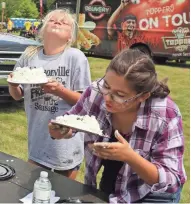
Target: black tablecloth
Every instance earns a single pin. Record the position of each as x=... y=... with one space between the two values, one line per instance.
x=26 y=174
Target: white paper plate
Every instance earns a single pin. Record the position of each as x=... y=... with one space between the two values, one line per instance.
x=25 y=82
x=54 y=122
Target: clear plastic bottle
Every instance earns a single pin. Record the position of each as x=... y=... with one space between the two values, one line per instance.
x=42 y=189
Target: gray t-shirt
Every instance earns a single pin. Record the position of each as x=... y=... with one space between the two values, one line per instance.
x=71 y=68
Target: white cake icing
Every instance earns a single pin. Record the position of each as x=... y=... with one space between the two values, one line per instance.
x=27 y=75
x=88 y=123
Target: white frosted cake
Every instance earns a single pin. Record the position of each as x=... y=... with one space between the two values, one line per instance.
x=27 y=75
x=87 y=123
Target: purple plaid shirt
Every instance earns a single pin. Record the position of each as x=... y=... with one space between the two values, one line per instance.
x=157 y=136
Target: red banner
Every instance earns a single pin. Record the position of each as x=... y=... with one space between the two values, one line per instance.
x=41 y=7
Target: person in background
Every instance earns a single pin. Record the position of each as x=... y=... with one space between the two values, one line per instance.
x=69 y=71
x=27 y=25
x=36 y=28
x=36 y=24
x=9 y=25
x=126 y=30
x=143 y=156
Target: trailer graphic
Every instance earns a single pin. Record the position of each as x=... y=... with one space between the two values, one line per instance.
x=160 y=28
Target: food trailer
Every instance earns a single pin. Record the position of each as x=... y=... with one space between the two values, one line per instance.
x=160 y=28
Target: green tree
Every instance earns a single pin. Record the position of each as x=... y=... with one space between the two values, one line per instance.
x=20 y=8
x=27 y=9
x=47 y=5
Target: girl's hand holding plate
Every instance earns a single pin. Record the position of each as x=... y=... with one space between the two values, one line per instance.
x=14 y=85
x=52 y=87
x=58 y=132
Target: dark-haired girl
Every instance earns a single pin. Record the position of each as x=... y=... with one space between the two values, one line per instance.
x=143 y=158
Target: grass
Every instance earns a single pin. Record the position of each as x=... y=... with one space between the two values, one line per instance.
x=3 y=81
x=13 y=127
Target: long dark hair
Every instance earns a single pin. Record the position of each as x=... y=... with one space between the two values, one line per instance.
x=139 y=70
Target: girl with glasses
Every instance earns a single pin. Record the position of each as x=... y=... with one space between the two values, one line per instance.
x=143 y=158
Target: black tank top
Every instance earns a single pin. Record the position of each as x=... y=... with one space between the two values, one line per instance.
x=110 y=172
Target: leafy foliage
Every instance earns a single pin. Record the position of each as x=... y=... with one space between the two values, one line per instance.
x=20 y=8
x=47 y=5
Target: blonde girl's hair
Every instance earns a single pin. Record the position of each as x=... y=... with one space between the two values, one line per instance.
x=32 y=50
